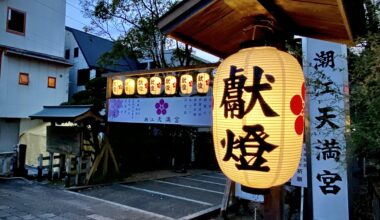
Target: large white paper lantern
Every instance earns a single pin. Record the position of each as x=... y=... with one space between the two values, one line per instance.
x=142 y=86
x=155 y=83
x=170 y=85
x=203 y=83
x=117 y=87
x=186 y=84
x=258 y=116
x=129 y=86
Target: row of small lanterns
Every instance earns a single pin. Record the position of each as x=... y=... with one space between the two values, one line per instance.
x=154 y=85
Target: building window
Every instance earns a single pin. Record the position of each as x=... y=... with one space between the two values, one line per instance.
x=76 y=52
x=23 y=79
x=83 y=77
x=67 y=54
x=16 y=21
x=51 y=82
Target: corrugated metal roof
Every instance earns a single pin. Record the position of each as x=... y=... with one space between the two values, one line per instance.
x=62 y=113
x=93 y=47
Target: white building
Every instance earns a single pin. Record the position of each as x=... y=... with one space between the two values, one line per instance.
x=172 y=61
x=84 y=50
x=33 y=71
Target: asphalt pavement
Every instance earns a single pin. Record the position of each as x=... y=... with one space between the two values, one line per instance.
x=179 y=197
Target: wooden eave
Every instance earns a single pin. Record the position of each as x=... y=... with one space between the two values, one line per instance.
x=216 y=26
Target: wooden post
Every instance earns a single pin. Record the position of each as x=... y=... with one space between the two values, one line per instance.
x=78 y=170
x=61 y=165
x=94 y=166
x=114 y=161
x=273 y=204
x=106 y=149
x=105 y=161
x=21 y=155
x=226 y=197
x=40 y=167
x=68 y=170
x=50 y=166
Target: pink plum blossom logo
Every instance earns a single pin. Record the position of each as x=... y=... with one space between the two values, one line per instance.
x=161 y=107
x=297 y=106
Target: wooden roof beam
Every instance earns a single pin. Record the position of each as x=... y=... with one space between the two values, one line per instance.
x=283 y=25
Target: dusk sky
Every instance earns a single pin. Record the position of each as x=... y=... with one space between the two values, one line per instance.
x=75 y=19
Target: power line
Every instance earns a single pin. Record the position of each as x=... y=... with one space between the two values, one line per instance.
x=78 y=9
x=113 y=29
x=67 y=16
x=74 y=6
x=59 y=12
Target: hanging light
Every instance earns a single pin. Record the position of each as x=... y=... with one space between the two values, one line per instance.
x=170 y=85
x=257 y=134
x=129 y=86
x=203 y=83
x=186 y=84
x=155 y=83
x=117 y=87
x=142 y=86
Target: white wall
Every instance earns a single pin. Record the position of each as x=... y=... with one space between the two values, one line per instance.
x=78 y=63
x=20 y=101
x=9 y=129
x=26 y=124
x=45 y=26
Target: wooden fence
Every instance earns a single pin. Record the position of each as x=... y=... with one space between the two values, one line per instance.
x=69 y=166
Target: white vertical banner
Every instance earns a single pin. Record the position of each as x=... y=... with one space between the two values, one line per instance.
x=300 y=176
x=325 y=67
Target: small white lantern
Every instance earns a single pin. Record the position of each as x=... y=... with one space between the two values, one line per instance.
x=155 y=85
x=170 y=85
x=129 y=86
x=117 y=87
x=203 y=83
x=186 y=84
x=142 y=86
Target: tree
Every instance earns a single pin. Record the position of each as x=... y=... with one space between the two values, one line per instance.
x=95 y=94
x=364 y=68
x=134 y=23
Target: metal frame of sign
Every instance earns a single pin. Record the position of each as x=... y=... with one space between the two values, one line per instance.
x=184 y=109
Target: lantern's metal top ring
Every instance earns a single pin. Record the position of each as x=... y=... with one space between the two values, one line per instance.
x=264 y=33
x=260 y=25
x=261 y=21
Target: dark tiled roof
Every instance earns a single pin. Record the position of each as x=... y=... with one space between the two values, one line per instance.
x=93 y=47
x=34 y=55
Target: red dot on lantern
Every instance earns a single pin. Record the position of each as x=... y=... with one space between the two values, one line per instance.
x=296 y=104
x=298 y=125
